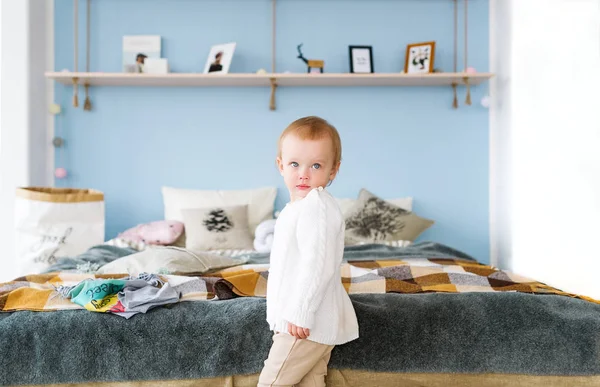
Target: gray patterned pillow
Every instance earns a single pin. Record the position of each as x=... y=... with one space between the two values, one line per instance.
x=374 y=220
x=217 y=228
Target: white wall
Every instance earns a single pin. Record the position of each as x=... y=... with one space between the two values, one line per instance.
x=23 y=111
x=501 y=90
x=546 y=141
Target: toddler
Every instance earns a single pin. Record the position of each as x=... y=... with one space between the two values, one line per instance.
x=307 y=306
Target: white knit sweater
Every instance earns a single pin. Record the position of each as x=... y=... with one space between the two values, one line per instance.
x=304 y=285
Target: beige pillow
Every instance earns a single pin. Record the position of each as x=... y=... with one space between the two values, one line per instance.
x=217 y=228
x=168 y=260
x=260 y=201
x=373 y=220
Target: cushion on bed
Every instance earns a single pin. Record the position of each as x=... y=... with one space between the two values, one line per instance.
x=260 y=202
x=217 y=228
x=167 y=260
x=354 y=242
x=161 y=232
x=346 y=204
x=374 y=220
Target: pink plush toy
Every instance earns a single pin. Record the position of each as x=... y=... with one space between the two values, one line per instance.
x=160 y=232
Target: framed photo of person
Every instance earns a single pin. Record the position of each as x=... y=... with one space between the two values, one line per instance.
x=219 y=58
x=361 y=59
x=419 y=58
x=138 y=48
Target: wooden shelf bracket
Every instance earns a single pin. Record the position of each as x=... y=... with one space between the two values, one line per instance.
x=273 y=88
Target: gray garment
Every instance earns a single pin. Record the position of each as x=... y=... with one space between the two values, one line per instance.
x=139 y=294
x=137 y=299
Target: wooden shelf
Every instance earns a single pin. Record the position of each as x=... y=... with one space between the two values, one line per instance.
x=380 y=79
x=256 y=80
x=274 y=80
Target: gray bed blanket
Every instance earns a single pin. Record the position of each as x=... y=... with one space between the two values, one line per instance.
x=504 y=332
x=382 y=252
x=100 y=255
x=91 y=260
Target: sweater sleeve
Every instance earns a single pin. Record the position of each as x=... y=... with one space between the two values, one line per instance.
x=316 y=234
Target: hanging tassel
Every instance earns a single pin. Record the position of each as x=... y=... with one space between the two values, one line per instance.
x=455 y=102
x=75 y=51
x=468 y=99
x=75 y=96
x=87 y=105
x=454 y=85
x=272 y=101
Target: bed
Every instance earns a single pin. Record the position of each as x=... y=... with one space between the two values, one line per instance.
x=429 y=315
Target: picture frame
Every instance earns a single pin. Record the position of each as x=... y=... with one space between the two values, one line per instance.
x=420 y=58
x=219 y=58
x=361 y=59
x=137 y=49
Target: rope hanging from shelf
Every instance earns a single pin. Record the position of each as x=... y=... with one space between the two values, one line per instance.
x=75 y=51
x=273 y=80
x=468 y=99
x=455 y=102
x=273 y=34
x=87 y=105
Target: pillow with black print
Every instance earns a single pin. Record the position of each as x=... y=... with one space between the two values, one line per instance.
x=374 y=220
x=217 y=228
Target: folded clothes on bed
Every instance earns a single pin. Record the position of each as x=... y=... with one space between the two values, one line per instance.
x=124 y=297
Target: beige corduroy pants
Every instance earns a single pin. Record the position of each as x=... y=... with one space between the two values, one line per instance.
x=295 y=362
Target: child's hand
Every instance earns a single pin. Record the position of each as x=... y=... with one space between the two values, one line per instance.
x=299 y=332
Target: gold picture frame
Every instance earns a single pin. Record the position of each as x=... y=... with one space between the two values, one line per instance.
x=420 y=58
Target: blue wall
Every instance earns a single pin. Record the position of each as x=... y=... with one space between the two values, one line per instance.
x=396 y=141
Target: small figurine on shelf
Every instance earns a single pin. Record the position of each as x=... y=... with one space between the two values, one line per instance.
x=314 y=65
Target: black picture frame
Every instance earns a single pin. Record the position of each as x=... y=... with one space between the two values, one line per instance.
x=353 y=69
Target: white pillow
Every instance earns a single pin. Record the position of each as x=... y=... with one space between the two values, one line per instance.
x=168 y=260
x=260 y=201
x=347 y=204
x=399 y=243
x=217 y=228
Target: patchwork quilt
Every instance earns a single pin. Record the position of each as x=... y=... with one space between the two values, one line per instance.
x=405 y=276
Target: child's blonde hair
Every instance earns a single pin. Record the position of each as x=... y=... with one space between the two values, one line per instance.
x=314 y=128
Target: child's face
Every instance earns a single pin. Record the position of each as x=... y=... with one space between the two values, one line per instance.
x=306 y=164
